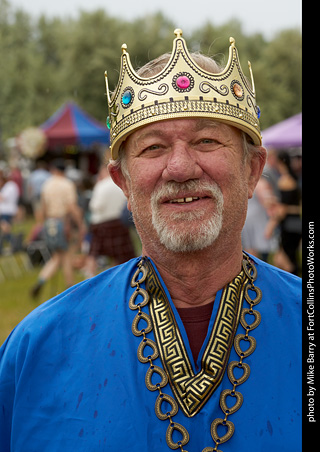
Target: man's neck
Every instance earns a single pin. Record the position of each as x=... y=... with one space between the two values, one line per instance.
x=193 y=279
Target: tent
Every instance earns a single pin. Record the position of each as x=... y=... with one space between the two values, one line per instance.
x=70 y=125
x=285 y=134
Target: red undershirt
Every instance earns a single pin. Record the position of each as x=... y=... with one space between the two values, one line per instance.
x=196 y=321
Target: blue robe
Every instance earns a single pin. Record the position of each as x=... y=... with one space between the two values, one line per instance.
x=70 y=379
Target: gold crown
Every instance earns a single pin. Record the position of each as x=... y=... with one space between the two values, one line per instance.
x=182 y=89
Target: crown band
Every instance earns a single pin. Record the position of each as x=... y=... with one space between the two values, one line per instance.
x=181 y=90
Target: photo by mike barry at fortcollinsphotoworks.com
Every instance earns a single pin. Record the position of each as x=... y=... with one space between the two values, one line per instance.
x=310 y=324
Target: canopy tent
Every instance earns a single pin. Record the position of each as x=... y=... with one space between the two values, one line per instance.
x=285 y=134
x=70 y=125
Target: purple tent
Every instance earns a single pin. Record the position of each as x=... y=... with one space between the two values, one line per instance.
x=285 y=134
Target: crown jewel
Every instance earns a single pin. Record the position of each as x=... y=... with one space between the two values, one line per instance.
x=181 y=89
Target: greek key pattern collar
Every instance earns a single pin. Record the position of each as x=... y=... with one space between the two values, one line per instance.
x=193 y=390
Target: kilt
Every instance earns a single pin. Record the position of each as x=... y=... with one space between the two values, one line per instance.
x=112 y=239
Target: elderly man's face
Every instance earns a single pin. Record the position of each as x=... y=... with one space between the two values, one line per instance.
x=188 y=183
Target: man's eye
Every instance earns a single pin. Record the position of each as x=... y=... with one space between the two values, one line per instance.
x=211 y=141
x=151 y=150
x=152 y=147
x=207 y=144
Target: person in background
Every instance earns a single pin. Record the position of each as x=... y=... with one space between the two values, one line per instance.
x=9 y=201
x=287 y=216
x=110 y=237
x=35 y=183
x=256 y=237
x=296 y=165
x=59 y=207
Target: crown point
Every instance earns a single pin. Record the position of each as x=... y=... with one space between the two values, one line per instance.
x=178 y=32
x=232 y=41
x=124 y=48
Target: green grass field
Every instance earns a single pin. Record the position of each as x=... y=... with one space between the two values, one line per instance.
x=15 y=299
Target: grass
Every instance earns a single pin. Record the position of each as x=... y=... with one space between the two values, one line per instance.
x=16 y=301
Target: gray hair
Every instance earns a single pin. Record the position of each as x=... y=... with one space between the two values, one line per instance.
x=157 y=65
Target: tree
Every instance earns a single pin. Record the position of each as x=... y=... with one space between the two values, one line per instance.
x=49 y=61
x=16 y=74
x=279 y=78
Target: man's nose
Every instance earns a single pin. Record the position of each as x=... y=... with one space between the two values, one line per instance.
x=182 y=164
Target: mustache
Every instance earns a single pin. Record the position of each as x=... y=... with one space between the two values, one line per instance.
x=173 y=189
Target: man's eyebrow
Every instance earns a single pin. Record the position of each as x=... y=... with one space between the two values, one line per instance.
x=202 y=123
x=151 y=133
x=154 y=133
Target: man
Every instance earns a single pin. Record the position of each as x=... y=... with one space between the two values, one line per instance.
x=109 y=236
x=195 y=346
x=59 y=206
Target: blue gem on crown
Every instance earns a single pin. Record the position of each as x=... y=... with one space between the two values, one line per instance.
x=258 y=111
x=127 y=97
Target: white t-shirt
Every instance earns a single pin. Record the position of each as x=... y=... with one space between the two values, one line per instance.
x=9 y=197
x=107 y=201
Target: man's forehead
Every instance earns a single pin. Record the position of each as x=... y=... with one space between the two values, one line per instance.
x=192 y=124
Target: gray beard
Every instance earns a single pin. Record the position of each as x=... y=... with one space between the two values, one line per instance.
x=179 y=237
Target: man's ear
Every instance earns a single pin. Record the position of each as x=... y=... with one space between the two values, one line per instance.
x=119 y=179
x=256 y=165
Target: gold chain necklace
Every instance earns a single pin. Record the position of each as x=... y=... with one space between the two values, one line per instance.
x=249 y=274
